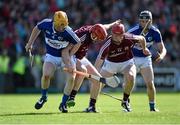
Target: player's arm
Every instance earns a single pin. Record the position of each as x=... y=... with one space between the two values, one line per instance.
x=142 y=41
x=74 y=40
x=35 y=32
x=162 y=51
x=98 y=64
x=108 y=26
x=160 y=46
x=33 y=36
x=75 y=48
x=101 y=56
x=71 y=49
x=67 y=58
x=66 y=55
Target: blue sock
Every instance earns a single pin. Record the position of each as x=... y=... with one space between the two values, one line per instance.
x=64 y=99
x=151 y=105
x=44 y=93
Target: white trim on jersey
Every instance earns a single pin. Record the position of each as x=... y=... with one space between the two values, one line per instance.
x=133 y=29
x=69 y=30
x=104 y=47
x=54 y=31
x=155 y=28
x=82 y=38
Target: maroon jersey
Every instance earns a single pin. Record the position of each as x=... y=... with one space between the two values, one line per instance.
x=84 y=34
x=118 y=53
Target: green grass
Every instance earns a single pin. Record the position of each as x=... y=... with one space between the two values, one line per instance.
x=18 y=109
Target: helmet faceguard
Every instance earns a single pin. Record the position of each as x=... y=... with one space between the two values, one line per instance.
x=145 y=17
x=98 y=32
x=60 y=20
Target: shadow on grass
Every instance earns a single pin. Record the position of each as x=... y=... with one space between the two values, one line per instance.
x=78 y=112
x=38 y=113
x=30 y=113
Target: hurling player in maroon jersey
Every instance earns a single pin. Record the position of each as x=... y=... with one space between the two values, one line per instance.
x=90 y=34
x=117 y=56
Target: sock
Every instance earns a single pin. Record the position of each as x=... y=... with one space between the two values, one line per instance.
x=73 y=94
x=152 y=105
x=92 y=102
x=125 y=97
x=44 y=93
x=64 y=99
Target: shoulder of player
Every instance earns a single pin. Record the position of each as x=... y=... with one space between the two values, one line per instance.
x=132 y=29
x=69 y=30
x=107 y=43
x=154 y=29
x=128 y=35
x=84 y=30
x=130 y=38
x=104 y=47
x=69 y=33
x=46 y=20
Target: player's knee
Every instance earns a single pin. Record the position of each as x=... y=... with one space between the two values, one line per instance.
x=150 y=84
x=130 y=78
x=46 y=77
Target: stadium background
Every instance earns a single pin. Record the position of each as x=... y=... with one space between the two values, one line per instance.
x=18 y=17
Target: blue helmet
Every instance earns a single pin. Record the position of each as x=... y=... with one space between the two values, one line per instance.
x=145 y=15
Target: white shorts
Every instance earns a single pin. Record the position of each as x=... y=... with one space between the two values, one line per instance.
x=142 y=62
x=57 y=61
x=114 y=68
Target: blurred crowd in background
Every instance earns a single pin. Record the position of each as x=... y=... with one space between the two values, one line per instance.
x=18 y=17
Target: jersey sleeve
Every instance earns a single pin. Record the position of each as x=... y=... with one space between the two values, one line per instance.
x=104 y=50
x=71 y=36
x=43 y=24
x=81 y=35
x=134 y=30
x=157 y=36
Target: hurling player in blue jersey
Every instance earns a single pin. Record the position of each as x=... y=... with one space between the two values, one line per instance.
x=144 y=63
x=58 y=37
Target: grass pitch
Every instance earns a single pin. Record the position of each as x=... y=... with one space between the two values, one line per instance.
x=19 y=109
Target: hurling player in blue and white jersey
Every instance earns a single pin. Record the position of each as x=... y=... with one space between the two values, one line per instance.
x=143 y=62
x=58 y=37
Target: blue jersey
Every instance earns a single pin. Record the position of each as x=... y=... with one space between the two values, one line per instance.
x=56 y=41
x=152 y=36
